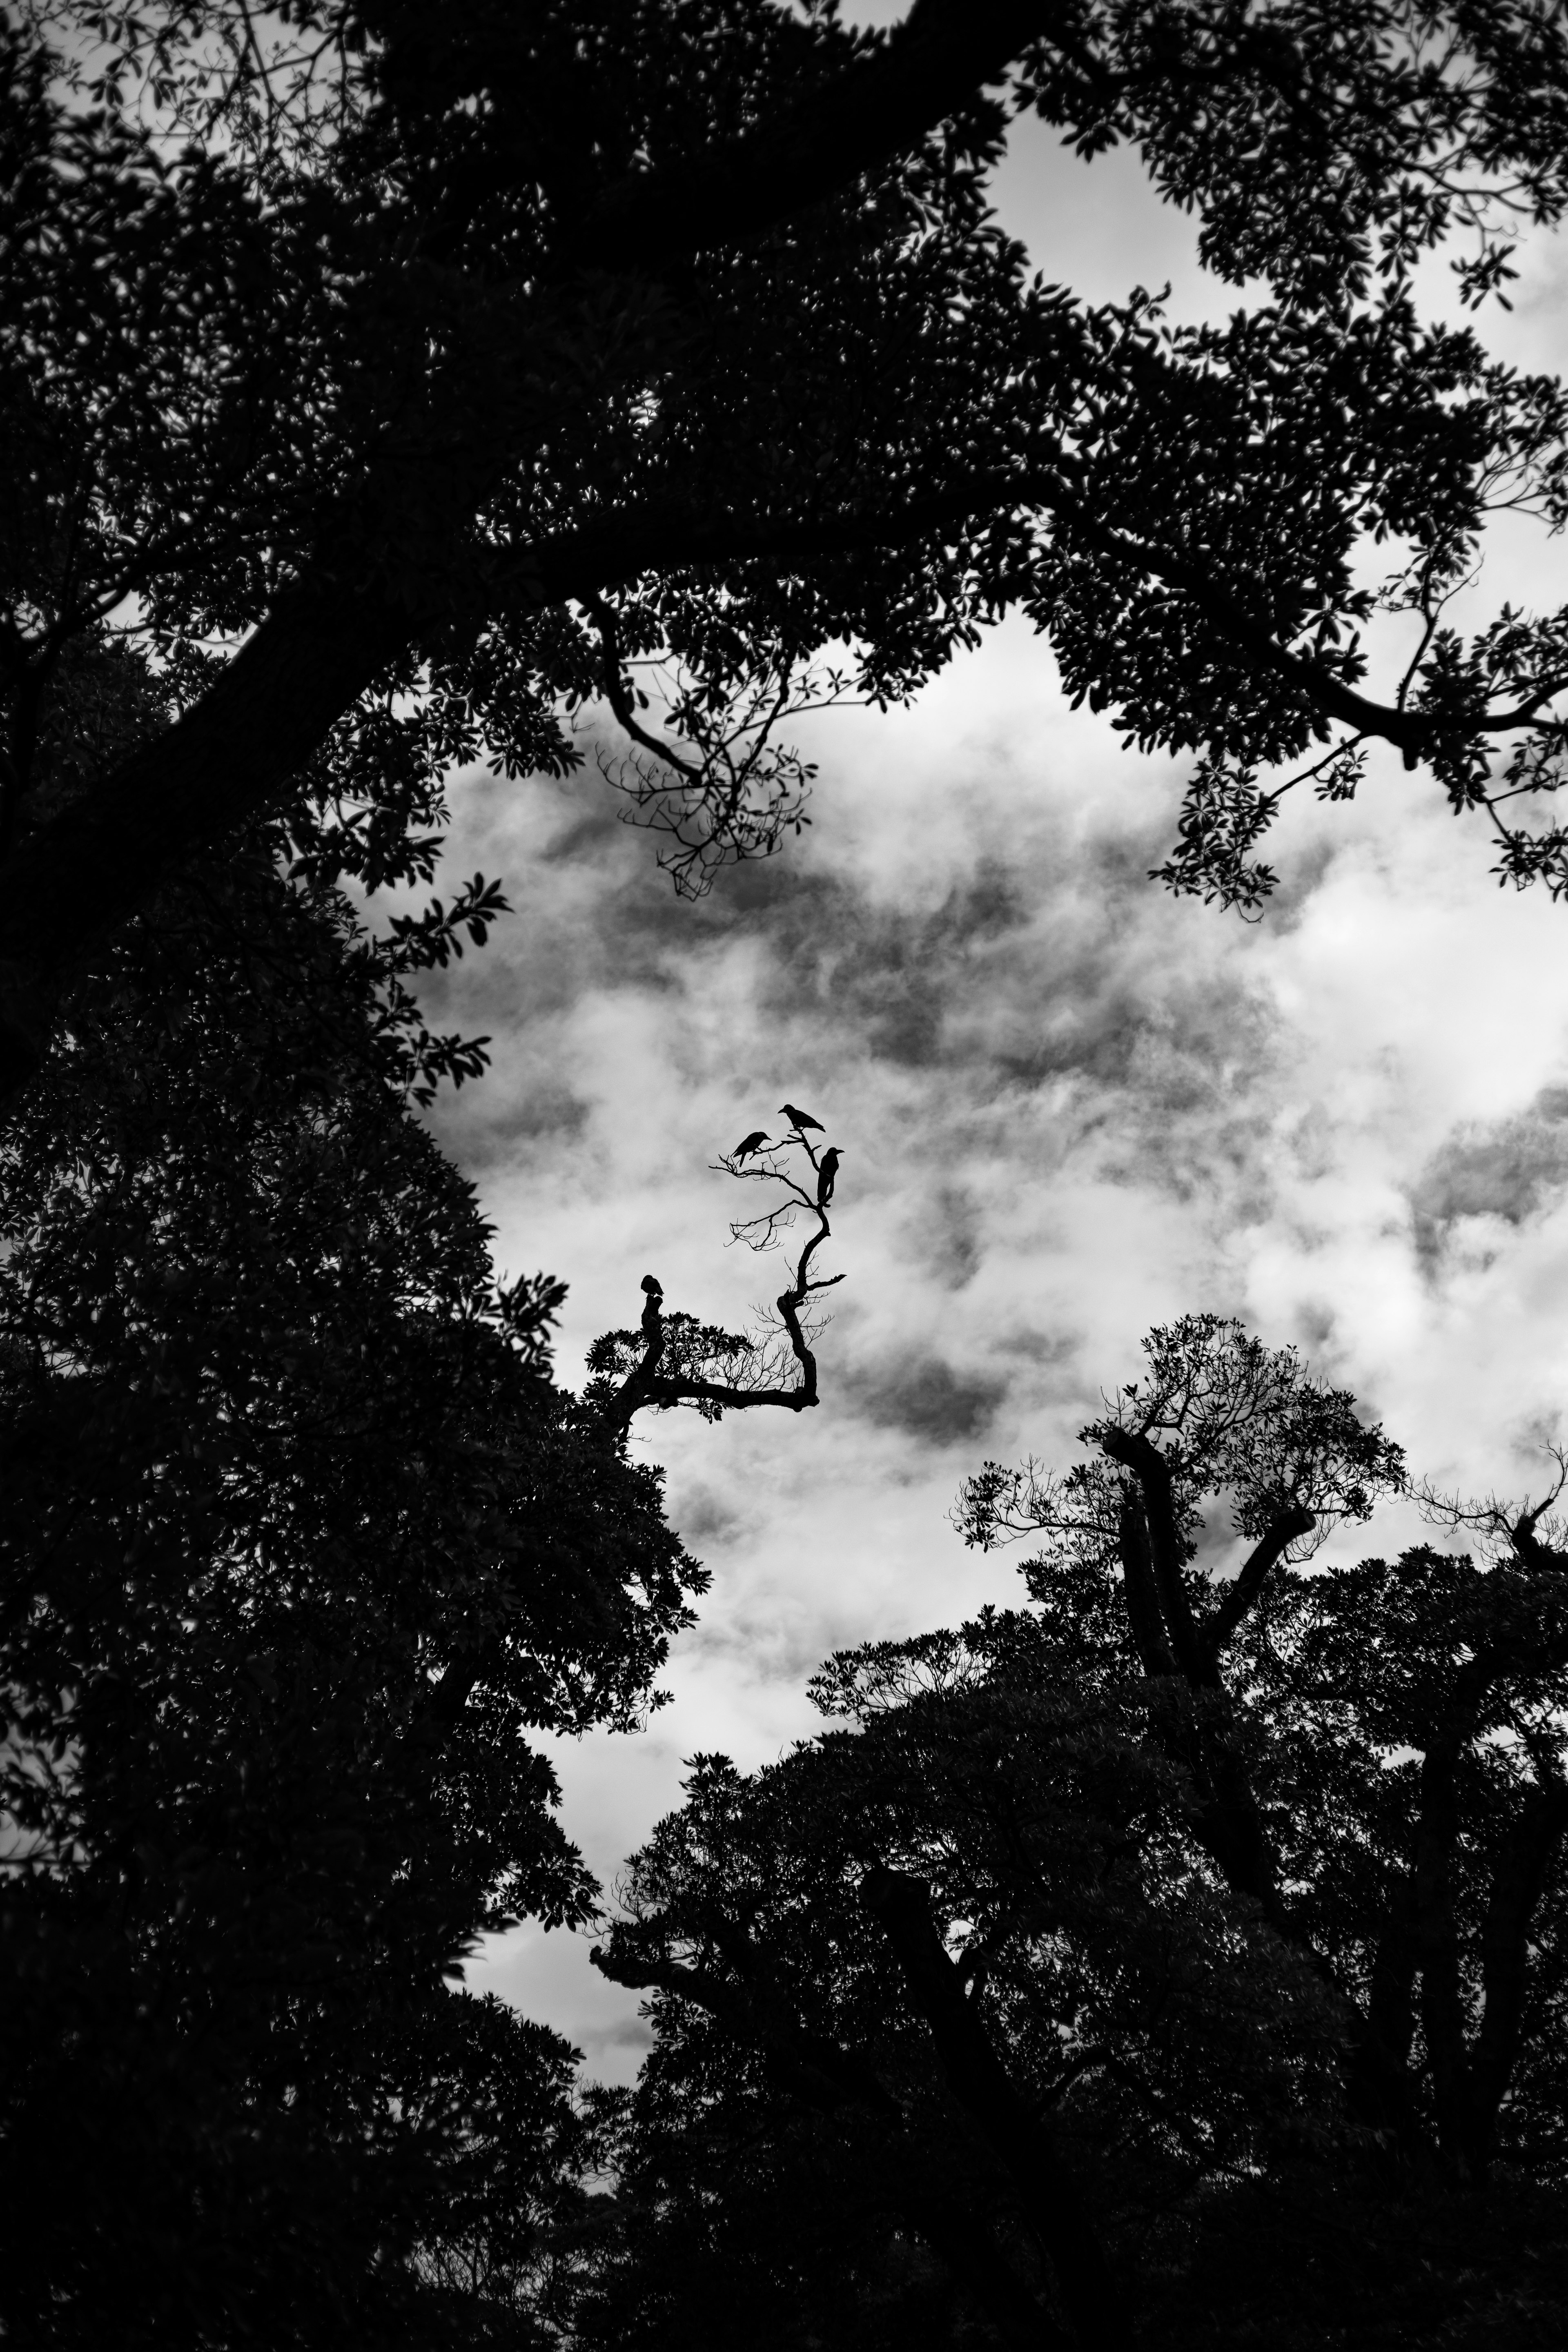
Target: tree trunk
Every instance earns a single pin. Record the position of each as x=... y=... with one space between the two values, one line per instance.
x=1519 y=1881
x=980 y=2084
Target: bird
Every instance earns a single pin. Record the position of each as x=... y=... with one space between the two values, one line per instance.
x=652 y=1284
x=828 y=1175
x=801 y=1118
x=753 y=1143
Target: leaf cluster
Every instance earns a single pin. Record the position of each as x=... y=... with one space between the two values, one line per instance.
x=299 y=1544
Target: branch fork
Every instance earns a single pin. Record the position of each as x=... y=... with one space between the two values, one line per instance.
x=671 y=1359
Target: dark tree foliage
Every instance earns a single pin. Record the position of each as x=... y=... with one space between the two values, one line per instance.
x=410 y=378
x=1177 y=1960
x=299 y=1542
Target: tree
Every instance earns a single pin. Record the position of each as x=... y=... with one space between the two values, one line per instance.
x=300 y=1543
x=1176 y=1960
x=402 y=416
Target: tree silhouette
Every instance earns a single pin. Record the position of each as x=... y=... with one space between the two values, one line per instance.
x=301 y=1548
x=400 y=424
x=1176 y=1960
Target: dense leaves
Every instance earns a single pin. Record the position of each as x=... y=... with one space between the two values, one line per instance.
x=1206 y=1914
x=416 y=383
x=299 y=1543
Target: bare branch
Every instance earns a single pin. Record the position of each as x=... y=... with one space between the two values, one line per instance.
x=725 y=791
x=1530 y=1532
x=673 y=1359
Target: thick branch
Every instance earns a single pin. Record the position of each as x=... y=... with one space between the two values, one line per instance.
x=828 y=2076
x=823 y=2074
x=72 y=883
x=1270 y=1548
x=1437 y=1931
x=1138 y=1586
x=1226 y=1820
x=1519 y=1880
x=981 y=2084
x=1378 y=2087
x=944 y=54
x=235 y=753
x=1148 y=1466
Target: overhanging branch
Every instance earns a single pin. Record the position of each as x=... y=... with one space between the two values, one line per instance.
x=942 y=55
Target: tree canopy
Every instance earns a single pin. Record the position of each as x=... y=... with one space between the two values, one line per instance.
x=406 y=382
x=1175 y=1959
x=299 y=1545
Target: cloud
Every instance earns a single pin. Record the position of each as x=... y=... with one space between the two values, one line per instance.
x=925 y=1398
x=1510 y=1170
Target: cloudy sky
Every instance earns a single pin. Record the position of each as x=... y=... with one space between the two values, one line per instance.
x=1068 y=1109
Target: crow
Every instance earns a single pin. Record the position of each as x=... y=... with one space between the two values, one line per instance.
x=827 y=1176
x=801 y=1118
x=753 y=1143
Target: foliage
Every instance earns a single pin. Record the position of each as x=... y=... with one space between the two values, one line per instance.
x=1209 y=1908
x=300 y=1543
x=404 y=419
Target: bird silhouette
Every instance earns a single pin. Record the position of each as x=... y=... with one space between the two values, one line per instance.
x=652 y=1284
x=828 y=1175
x=753 y=1143
x=800 y=1119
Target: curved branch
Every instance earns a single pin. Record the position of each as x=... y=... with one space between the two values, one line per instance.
x=1239 y=1598
x=618 y=692
x=653 y=1380
x=942 y=55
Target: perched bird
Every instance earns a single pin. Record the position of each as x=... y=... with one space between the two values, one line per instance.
x=753 y=1143
x=800 y=1119
x=828 y=1175
x=652 y=1284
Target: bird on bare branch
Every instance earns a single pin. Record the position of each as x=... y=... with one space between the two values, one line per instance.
x=674 y=1360
x=801 y=1119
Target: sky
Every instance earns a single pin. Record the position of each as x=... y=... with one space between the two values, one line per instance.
x=1069 y=1108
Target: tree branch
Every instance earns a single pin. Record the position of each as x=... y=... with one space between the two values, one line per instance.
x=73 y=880
x=1148 y=1466
x=981 y=2084
x=825 y=2075
x=1436 y=1933
x=1519 y=1881
x=1241 y=1597
x=651 y=1380
x=938 y=59
x=1139 y=1588
x=1379 y=2085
